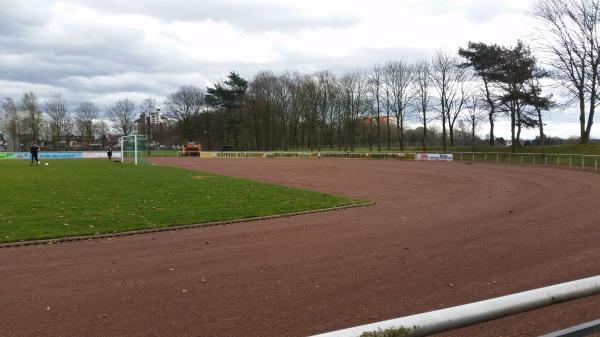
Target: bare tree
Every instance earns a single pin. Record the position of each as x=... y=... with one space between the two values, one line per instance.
x=33 y=115
x=422 y=82
x=185 y=105
x=60 y=121
x=572 y=44
x=456 y=105
x=353 y=104
x=475 y=116
x=85 y=114
x=449 y=80
x=399 y=78
x=147 y=107
x=12 y=121
x=101 y=131
x=539 y=103
x=122 y=115
x=325 y=82
x=375 y=88
x=388 y=110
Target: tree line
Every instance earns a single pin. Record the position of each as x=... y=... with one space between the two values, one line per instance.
x=290 y=110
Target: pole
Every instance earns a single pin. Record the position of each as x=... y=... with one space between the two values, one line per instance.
x=122 y=151
x=135 y=148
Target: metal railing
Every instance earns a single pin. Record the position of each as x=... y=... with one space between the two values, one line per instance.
x=478 y=312
x=577 y=161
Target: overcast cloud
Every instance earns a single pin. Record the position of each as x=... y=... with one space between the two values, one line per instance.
x=106 y=50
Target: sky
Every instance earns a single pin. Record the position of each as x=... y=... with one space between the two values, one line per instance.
x=105 y=50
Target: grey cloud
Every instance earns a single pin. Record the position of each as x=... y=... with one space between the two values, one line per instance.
x=100 y=62
x=18 y=17
x=362 y=59
x=248 y=16
x=477 y=11
x=483 y=11
x=38 y=57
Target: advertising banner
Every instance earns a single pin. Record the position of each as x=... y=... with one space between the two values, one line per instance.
x=7 y=155
x=434 y=156
x=17 y=155
x=58 y=155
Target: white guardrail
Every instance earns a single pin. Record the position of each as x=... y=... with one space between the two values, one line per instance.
x=463 y=315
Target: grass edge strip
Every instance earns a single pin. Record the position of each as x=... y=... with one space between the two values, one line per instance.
x=174 y=227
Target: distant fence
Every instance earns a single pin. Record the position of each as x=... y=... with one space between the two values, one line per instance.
x=578 y=161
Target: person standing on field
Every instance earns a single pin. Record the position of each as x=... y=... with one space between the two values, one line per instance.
x=34 y=150
x=109 y=153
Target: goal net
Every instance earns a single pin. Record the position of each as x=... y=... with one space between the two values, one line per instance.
x=133 y=149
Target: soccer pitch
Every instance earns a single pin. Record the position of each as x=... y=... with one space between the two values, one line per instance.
x=85 y=197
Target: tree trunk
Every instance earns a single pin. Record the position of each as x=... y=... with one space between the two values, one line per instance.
x=590 y=122
x=473 y=133
x=492 y=139
x=512 y=129
x=583 y=139
x=424 y=140
x=389 y=132
x=488 y=97
x=541 y=125
x=519 y=124
x=444 y=144
x=371 y=134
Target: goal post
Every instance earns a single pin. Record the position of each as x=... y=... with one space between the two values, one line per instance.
x=133 y=148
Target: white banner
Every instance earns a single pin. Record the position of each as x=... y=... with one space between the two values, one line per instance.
x=98 y=155
x=434 y=156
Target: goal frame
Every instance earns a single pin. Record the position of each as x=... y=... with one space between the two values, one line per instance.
x=136 y=148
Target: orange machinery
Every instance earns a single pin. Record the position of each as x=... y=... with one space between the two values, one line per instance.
x=191 y=150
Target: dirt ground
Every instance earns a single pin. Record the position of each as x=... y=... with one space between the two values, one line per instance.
x=439 y=235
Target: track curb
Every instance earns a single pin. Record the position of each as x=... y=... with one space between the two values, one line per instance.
x=174 y=228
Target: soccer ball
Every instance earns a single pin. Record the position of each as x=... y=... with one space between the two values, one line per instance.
x=46 y=164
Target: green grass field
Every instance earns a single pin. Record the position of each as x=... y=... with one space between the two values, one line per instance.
x=83 y=197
